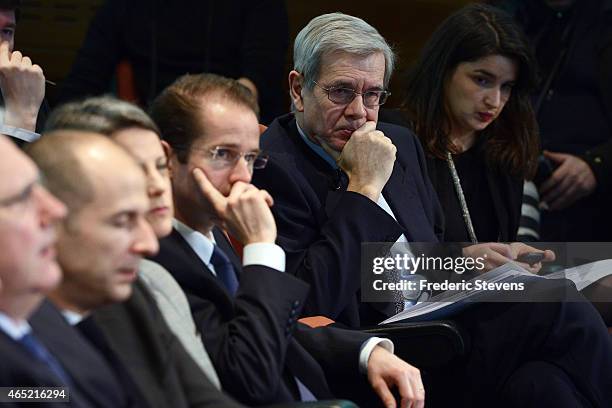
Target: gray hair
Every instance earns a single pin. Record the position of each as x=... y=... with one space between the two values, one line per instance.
x=101 y=114
x=337 y=32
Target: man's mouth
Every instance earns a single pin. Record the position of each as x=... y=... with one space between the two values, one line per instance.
x=129 y=273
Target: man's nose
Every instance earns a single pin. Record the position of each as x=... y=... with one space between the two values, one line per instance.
x=50 y=207
x=145 y=241
x=242 y=171
x=356 y=108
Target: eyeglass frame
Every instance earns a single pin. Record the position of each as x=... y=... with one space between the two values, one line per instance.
x=355 y=93
x=214 y=151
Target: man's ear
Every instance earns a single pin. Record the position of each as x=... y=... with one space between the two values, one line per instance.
x=170 y=156
x=296 y=87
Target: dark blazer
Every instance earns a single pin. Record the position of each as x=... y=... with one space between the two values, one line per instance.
x=506 y=198
x=158 y=363
x=506 y=190
x=20 y=368
x=252 y=338
x=93 y=377
x=321 y=226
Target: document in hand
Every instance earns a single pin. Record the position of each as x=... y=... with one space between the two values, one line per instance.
x=507 y=277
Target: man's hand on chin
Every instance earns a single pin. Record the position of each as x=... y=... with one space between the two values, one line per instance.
x=245 y=213
x=367 y=159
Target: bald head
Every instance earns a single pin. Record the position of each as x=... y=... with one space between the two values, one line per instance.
x=105 y=236
x=72 y=162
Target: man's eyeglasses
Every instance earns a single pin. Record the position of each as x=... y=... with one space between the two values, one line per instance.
x=224 y=157
x=344 y=96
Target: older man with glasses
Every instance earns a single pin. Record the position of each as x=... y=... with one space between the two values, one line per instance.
x=339 y=177
x=246 y=311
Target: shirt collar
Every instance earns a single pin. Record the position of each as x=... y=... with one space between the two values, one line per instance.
x=316 y=148
x=201 y=244
x=73 y=318
x=14 y=329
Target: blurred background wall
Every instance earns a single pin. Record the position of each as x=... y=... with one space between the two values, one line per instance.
x=51 y=31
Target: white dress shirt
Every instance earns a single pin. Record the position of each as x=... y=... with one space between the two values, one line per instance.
x=15 y=329
x=270 y=255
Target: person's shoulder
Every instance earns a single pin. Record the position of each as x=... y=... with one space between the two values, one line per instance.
x=152 y=270
x=48 y=318
x=275 y=136
x=401 y=136
x=157 y=279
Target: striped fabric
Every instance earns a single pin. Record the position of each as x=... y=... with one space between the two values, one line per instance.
x=529 y=225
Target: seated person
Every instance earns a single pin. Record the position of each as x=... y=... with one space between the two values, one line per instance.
x=99 y=248
x=339 y=178
x=479 y=131
x=129 y=126
x=481 y=121
x=22 y=83
x=247 y=312
x=28 y=270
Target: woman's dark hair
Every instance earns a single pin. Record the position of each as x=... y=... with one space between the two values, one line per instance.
x=476 y=31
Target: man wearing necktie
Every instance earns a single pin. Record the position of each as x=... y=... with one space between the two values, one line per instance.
x=246 y=310
x=28 y=270
x=100 y=245
x=28 y=214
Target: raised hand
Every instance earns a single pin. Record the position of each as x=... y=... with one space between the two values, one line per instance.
x=244 y=213
x=572 y=180
x=23 y=88
x=367 y=159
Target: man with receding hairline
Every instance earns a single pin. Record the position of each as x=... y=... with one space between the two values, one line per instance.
x=247 y=310
x=340 y=177
x=100 y=245
x=28 y=270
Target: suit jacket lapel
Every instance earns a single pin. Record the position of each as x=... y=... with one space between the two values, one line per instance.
x=188 y=269
x=398 y=191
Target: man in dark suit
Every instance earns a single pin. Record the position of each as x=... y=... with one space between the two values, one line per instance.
x=100 y=245
x=247 y=311
x=340 y=178
x=28 y=270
